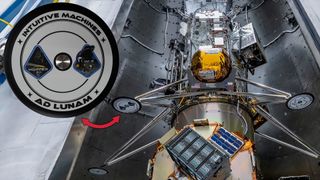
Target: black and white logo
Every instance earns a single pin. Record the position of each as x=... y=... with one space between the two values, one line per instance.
x=126 y=105
x=61 y=60
x=300 y=101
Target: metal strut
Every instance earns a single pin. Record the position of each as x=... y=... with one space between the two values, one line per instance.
x=277 y=91
x=287 y=145
x=282 y=95
x=159 y=89
x=286 y=130
x=198 y=93
x=111 y=162
x=112 y=159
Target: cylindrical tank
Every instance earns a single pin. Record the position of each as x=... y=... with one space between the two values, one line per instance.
x=234 y=118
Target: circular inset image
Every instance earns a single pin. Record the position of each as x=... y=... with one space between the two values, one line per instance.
x=97 y=171
x=61 y=60
x=300 y=101
x=126 y=105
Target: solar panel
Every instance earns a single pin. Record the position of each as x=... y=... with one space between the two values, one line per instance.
x=197 y=156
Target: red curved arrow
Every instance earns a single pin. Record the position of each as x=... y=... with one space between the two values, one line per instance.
x=87 y=122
